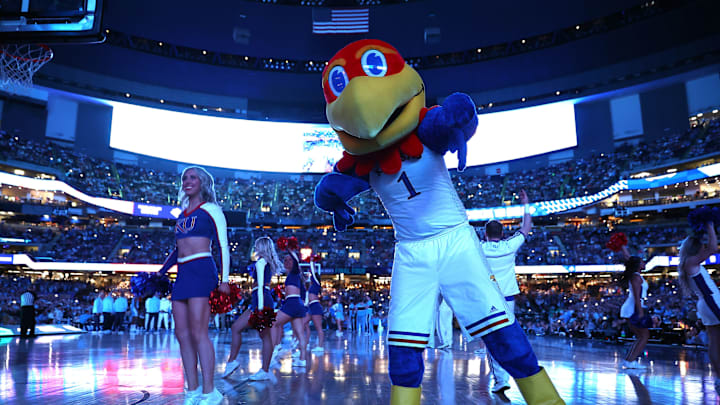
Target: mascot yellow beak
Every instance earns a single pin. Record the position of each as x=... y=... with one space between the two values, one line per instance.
x=372 y=113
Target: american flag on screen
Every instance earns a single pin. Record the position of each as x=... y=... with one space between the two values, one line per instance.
x=348 y=21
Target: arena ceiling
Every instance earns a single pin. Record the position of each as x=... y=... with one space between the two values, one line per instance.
x=216 y=52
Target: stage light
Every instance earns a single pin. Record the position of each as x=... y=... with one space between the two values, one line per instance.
x=127 y=95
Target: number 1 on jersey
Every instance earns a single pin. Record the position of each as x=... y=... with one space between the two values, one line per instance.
x=408 y=185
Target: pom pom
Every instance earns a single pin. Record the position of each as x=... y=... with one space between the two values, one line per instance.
x=147 y=284
x=313 y=258
x=262 y=318
x=279 y=292
x=701 y=216
x=617 y=241
x=284 y=243
x=223 y=303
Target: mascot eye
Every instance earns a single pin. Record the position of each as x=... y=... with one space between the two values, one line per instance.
x=338 y=79
x=374 y=63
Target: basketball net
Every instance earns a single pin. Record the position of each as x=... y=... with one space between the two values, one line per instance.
x=18 y=64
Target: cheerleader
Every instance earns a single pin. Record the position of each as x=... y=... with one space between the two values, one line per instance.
x=632 y=309
x=268 y=263
x=694 y=278
x=293 y=309
x=200 y=222
x=315 y=309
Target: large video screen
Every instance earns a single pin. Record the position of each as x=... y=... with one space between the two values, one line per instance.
x=314 y=148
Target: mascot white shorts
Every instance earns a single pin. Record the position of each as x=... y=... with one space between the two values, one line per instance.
x=452 y=265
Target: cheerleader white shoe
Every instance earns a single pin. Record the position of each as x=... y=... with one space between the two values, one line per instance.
x=318 y=349
x=299 y=363
x=193 y=397
x=261 y=375
x=230 y=367
x=213 y=397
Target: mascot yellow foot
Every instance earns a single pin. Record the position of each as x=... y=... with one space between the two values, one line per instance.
x=405 y=396
x=538 y=390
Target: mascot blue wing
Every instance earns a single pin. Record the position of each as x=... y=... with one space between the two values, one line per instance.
x=449 y=126
x=332 y=194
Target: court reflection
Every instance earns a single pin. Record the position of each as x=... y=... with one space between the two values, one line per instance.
x=110 y=369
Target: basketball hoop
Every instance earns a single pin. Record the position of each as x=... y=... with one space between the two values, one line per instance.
x=18 y=64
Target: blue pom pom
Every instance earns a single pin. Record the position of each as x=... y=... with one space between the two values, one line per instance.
x=701 y=216
x=146 y=284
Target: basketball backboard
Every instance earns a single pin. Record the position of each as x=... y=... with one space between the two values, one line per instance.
x=51 y=21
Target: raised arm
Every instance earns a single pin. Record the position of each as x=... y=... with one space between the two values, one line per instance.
x=448 y=127
x=527 y=224
x=625 y=252
x=707 y=250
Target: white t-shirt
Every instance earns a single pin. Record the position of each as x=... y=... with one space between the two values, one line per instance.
x=501 y=258
x=120 y=305
x=420 y=199
x=27 y=299
x=152 y=305
x=165 y=305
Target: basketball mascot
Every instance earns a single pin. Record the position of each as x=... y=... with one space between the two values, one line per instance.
x=395 y=145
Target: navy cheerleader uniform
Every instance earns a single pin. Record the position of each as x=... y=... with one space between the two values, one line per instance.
x=197 y=275
x=294 y=304
x=315 y=288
